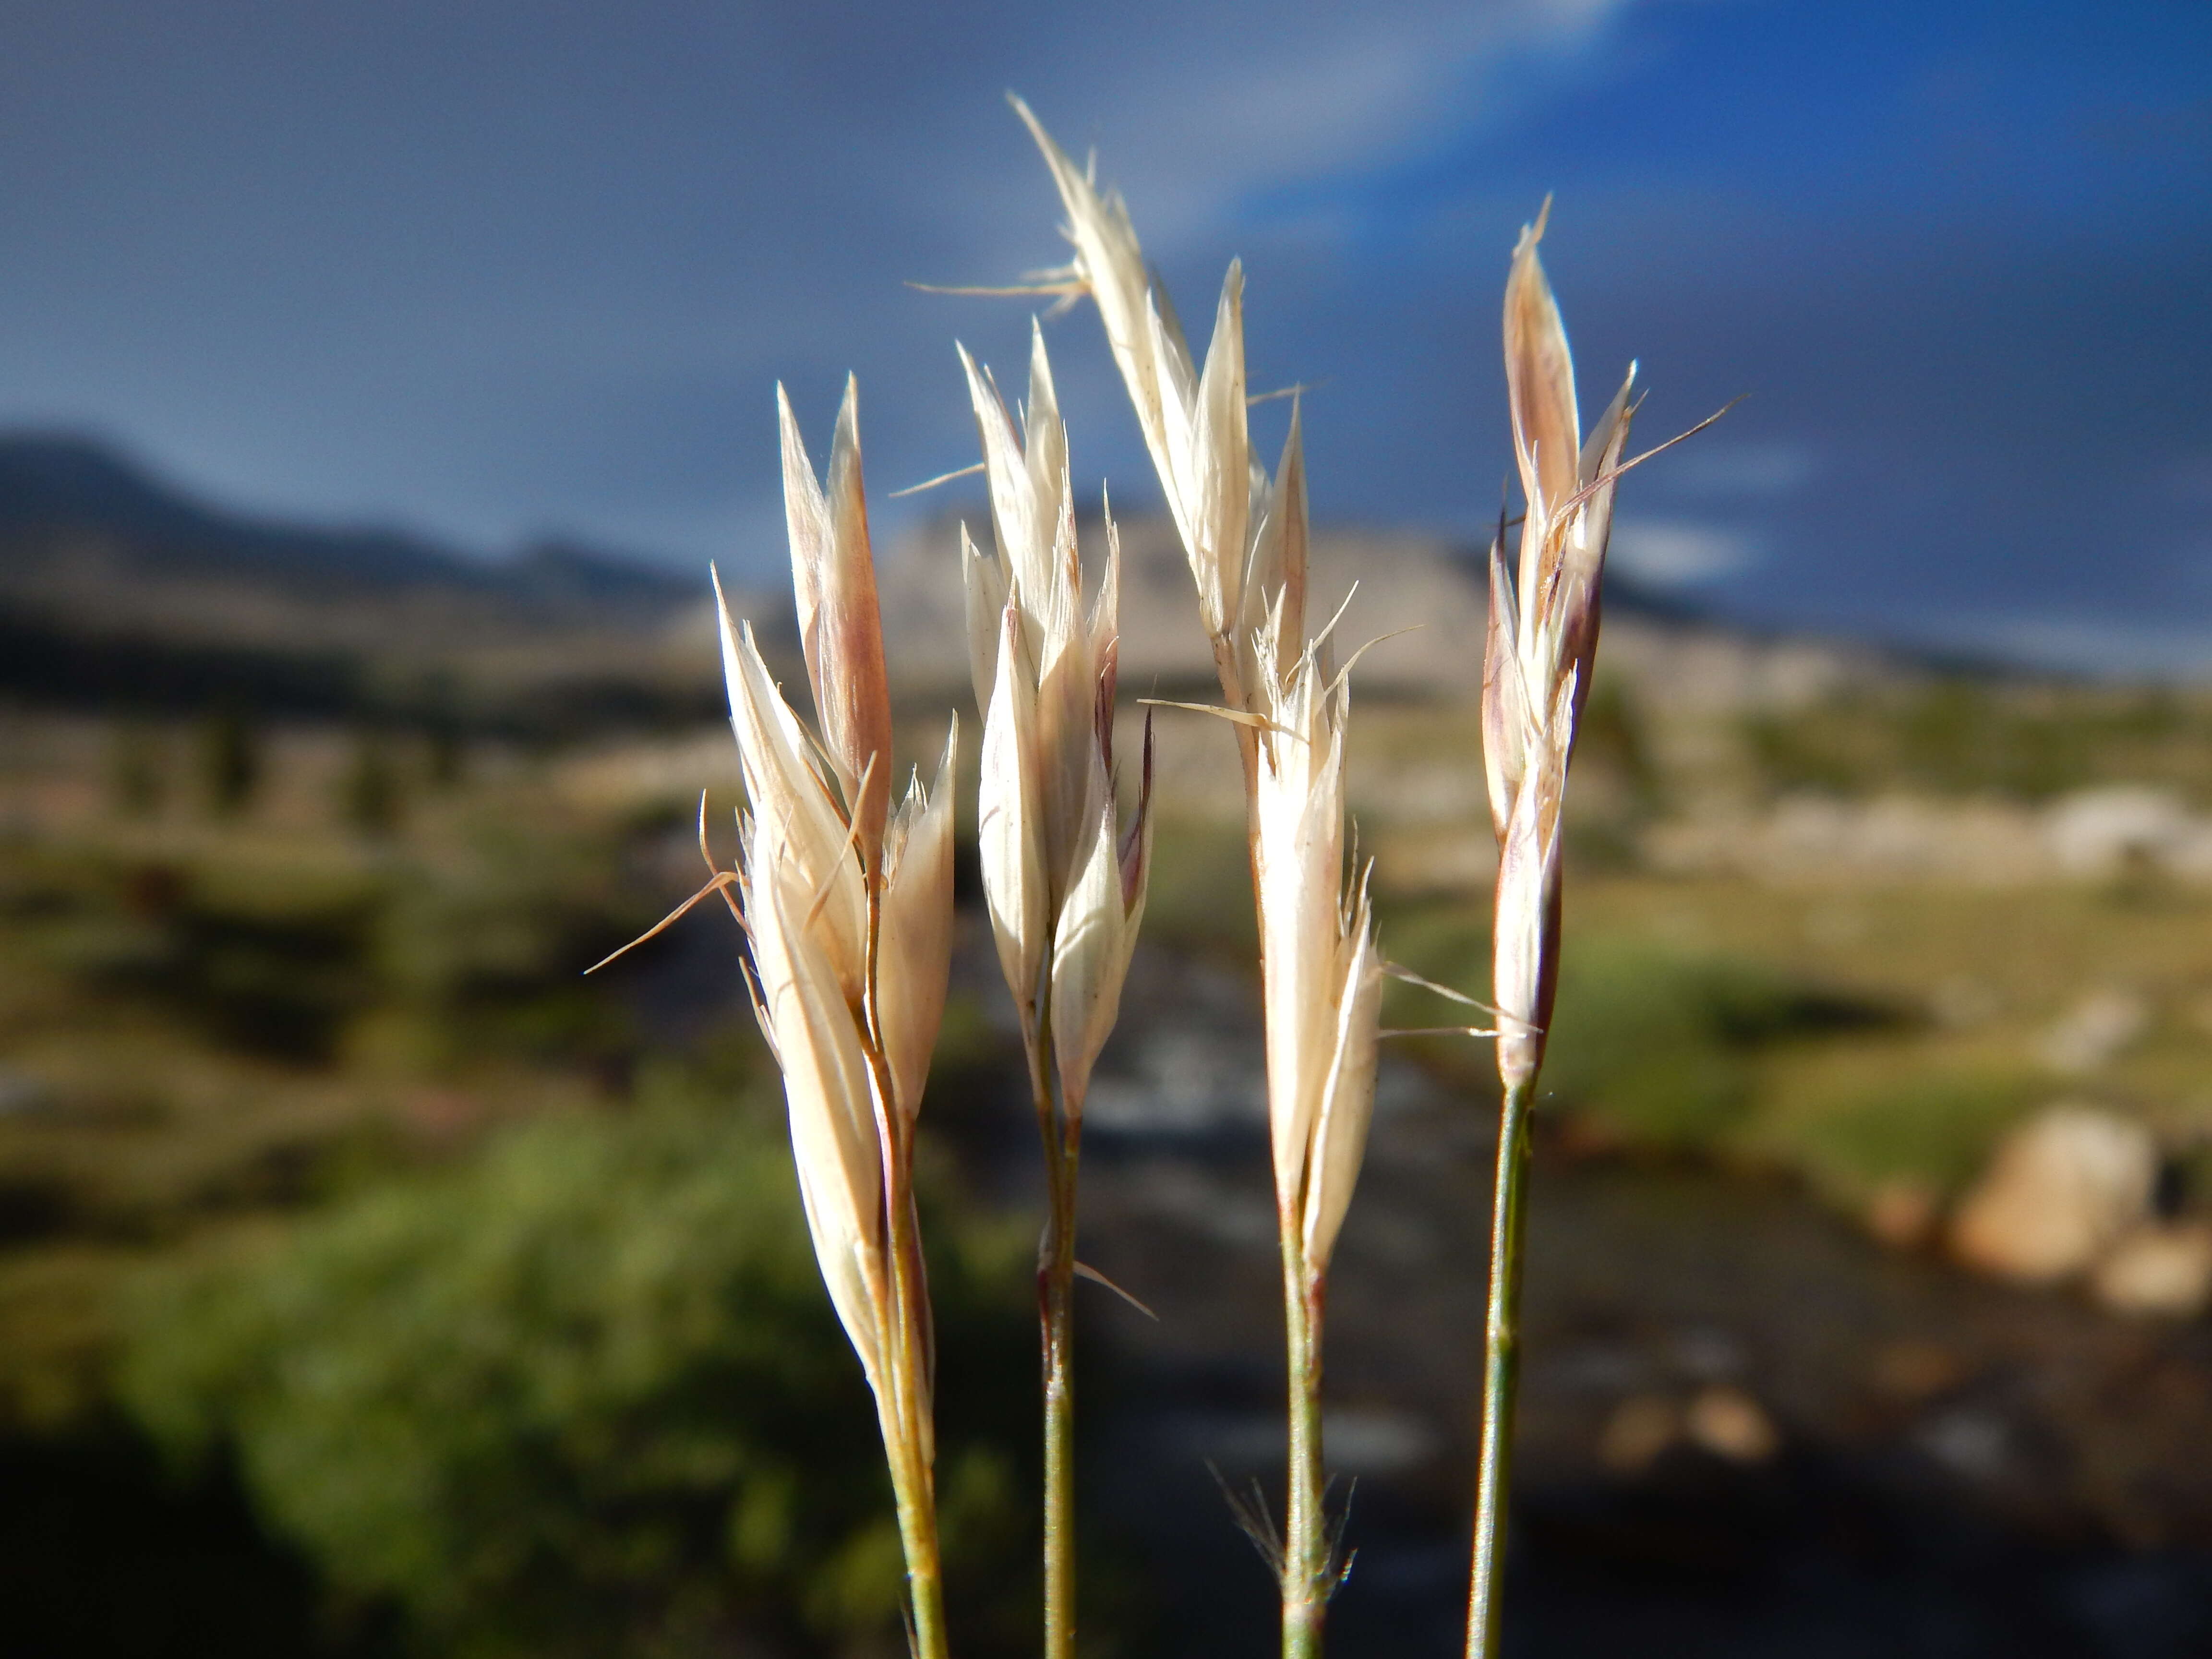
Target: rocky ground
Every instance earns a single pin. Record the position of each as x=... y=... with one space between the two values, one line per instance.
x=1746 y=1428
x=1749 y=1427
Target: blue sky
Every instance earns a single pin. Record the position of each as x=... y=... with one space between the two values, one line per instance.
x=490 y=271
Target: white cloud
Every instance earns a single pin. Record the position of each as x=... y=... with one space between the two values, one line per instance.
x=1679 y=552
x=1764 y=470
x=1331 y=93
x=427 y=258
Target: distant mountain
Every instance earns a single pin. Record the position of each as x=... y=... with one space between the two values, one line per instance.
x=1423 y=600
x=119 y=586
x=59 y=494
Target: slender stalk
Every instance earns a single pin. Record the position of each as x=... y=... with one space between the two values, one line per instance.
x=1058 y=1130
x=1305 y=1564
x=1500 y=1374
x=914 y=1489
x=1057 y=1287
x=905 y=1408
x=1305 y=1531
x=909 y=1435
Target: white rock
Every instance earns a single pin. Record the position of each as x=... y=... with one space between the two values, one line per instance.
x=1640 y=1428
x=1729 y=1423
x=1902 y=1213
x=2062 y=1187
x=2101 y=832
x=2094 y=1032
x=2163 y=1269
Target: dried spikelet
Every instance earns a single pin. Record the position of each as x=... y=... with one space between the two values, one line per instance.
x=1092 y=945
x=1320 y=975
x=1541 y=645
x=1246 y=538
x=915 y=942
x=1275 y=568
x=849 y=911
x=1538 y=652
x=1194 y=420
x=833 y=583
x=1524 y=954
x=827 y=1090
x=1065 y=890
x=1008 y=825
x=804 y=904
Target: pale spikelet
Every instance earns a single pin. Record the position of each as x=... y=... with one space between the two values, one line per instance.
x=1338 y=1144
x=1298 y=863
x=1033 y=523
x=1524 y=951
x=1032 y=509
x=1275 y=568
x=1246 y=538
x=1568 y=483
x=1093 y=939
x=985 y=587
x=827 y=1087
x=1506 y=721
x=848 y=913
x=915 y=941
x=1008 y=821
x=833 y=583
x=1321 y=974
x=1541 y=645
x=1065 y=890
x=1110 y=265
x=1322 y=977
x=1193 y=421
x=774 y=756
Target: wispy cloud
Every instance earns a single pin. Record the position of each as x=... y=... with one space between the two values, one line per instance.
x=1715 y=470
x=1679 y=552
x=1319 y=93
x=492 y=267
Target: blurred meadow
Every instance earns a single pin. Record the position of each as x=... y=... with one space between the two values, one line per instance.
x=376 y=383
x=375 y=1282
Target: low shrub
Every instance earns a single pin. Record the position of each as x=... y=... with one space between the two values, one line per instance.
x=584 y=1395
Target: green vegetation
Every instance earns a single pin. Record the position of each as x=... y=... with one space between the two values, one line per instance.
x=1976 y=736
x=1653 y=1046
x=200 y=1027
x=291 y=959
x=584 y=1395
x=373 y=801
x=137 y=777
x=1659 y=1047
x=463 y=1312
x=471 y=1283
x=230 y=759
x=1932 y=1132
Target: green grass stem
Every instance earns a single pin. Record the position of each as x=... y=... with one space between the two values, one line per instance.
x=1501 y=1367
